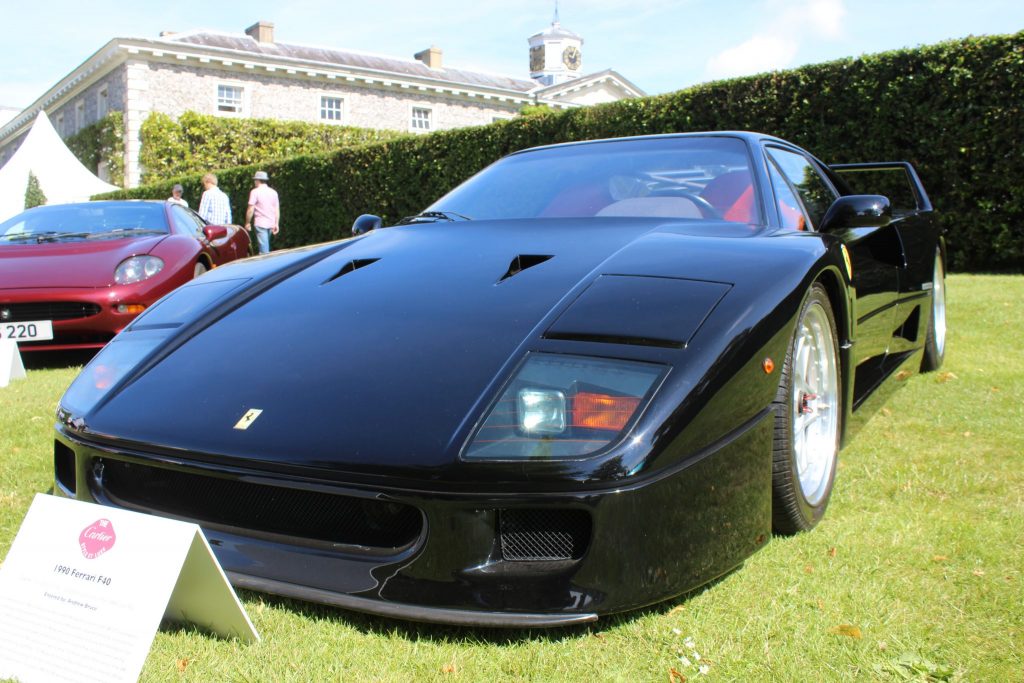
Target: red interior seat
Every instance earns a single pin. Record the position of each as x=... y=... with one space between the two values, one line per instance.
x=733 y=195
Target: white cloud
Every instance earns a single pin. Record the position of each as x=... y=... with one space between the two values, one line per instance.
x=760 y=53
x=777 y=44
x=826 y=17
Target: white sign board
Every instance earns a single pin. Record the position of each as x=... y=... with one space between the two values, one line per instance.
x=84 y=587
x=11 y=366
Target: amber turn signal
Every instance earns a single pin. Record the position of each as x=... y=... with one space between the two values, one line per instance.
x=768 y=365
x=601 y=411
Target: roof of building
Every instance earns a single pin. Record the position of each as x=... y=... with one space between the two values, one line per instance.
x=556 y=31
x=347 y=58
x=563 y=88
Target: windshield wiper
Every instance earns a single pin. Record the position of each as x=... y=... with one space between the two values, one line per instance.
x=125 y=231
x=49 y=236
x=428 y=216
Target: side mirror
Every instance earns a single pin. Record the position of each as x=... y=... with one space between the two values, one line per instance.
x=857 y=211
x=215 y=232
x=366 y=223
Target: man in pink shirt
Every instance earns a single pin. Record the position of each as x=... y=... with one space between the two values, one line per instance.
x=264 y=211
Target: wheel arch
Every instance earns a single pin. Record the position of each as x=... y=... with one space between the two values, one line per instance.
x=833 y=283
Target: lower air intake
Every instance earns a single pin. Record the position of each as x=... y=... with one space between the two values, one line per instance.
x=250 y=508
x=543 y=534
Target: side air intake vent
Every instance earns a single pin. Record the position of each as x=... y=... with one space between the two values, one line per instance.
x=522 y=262
x=351 y=266
x=541 y=534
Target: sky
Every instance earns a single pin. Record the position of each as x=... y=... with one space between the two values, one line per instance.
x=659 y=45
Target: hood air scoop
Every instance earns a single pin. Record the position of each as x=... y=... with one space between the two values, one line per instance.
x=522 y=262
x=351 y=266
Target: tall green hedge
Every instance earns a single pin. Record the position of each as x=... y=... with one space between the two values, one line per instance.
x=953 y=109
x=102 y=141
x=197 y=143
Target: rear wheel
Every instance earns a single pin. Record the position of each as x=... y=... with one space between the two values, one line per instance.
x=935 y=341
x=808 y=413
x=199 y=270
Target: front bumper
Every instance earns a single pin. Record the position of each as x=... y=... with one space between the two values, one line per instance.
x=648 y=540
x=83 y=317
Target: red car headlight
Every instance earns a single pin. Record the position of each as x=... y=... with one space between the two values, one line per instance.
x=137 y=269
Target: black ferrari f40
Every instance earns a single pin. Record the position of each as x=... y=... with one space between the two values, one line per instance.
x=592 y=377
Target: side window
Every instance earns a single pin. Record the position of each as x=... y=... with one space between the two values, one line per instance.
x=814 y=192
x=183 y=223
x=790 y=213
x=196 y=218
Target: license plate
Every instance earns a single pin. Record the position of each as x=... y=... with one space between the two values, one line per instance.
x=35 y=330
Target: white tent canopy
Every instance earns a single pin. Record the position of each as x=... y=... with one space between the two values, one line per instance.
x=62 y=177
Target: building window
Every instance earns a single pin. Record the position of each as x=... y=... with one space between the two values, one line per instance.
x=330 y=109
x=229 y=99
x=80 y=116
x=101 y=103
x=59 y=124
x=421 y=120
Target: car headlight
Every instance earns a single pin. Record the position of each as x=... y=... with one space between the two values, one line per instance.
x=105 y=370
x=137 y=269
x=561 y=406
x=148 y=331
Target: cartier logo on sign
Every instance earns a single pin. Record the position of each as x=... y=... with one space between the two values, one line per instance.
x=97 y=538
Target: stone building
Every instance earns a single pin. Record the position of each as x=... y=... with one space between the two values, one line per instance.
x=251 y=75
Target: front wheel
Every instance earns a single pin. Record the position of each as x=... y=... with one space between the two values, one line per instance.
x=935 y=341
x=808 y=413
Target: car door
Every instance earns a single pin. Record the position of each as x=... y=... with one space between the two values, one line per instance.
x=876 y=255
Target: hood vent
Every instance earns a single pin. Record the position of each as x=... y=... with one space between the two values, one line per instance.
x=522 y=262
x=351 y=266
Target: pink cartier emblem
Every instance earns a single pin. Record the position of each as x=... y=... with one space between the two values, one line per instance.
x=97 y=538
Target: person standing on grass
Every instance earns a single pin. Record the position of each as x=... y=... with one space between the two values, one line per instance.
x=214 y=207
x=264 y=211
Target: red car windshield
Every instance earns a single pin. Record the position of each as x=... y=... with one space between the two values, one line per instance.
x=702 y=178
x=64 y=222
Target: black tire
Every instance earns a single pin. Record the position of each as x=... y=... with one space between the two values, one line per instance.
x=808 y=419
x=935 y=340
x=199 y=270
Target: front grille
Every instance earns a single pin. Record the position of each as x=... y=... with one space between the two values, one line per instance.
x=244 y=506
x=46 y=310
x=543 y=534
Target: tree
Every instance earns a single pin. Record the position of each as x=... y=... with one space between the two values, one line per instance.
x=33 y=193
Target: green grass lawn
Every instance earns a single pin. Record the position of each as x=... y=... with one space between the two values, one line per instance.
x=914 y=575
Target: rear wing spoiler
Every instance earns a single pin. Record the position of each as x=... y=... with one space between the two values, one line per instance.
x=910 y=175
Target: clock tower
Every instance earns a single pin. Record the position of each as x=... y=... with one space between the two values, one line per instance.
x=555 y=55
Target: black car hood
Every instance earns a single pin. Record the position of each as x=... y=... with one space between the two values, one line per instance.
x=376 y=356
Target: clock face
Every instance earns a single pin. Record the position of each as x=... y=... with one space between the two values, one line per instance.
x=537 y=58
x=571 y=58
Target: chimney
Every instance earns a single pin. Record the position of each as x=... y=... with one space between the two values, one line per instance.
x=261 y=32
x=167 y=34
x=431 y=57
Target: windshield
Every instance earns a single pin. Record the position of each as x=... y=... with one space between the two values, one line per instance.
x=684 y=178
x=68 y=222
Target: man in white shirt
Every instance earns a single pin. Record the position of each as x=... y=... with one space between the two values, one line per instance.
x=175 y=197
x=214 y=207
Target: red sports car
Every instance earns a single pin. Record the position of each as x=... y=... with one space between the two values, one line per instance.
x=74 y=275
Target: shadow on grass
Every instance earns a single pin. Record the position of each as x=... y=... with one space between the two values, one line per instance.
x=51 y=360
x=411 y=630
